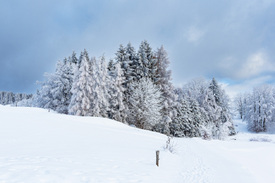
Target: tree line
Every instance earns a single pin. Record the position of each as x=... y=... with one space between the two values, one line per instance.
x=136 y=88
x=13 y=98
x=257 y=108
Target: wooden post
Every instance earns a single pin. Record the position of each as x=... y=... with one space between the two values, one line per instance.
x=157 y=158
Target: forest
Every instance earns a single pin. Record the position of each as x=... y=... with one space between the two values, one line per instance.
x=136 y=88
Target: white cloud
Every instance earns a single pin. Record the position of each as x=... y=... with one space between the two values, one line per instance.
x=193 y=34
x=256 y=64
x=233 y=89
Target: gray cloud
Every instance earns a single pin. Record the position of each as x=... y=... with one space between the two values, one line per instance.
x=203 y=38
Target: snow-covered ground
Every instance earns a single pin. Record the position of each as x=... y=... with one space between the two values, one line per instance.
x=41 y=146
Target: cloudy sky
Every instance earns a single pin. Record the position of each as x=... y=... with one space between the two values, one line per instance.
x=233 y=41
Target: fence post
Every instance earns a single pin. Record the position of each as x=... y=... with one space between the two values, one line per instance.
x=157 y=157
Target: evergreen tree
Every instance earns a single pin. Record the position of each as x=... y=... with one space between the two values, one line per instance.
x=163 y=81
x=82 y=87
x=127 y=59
x=104 y=85
x=129 y=65
x=197 y=120
x=188 y=121
x=80 y=59
x=121 y=54
x=117 y=109
x=215 y=119
x=101 y=82
x=52 y=94
x=96 y=88
x=213 y=112
x=13 y=98
x=222 y=100
x=181 y=126
x=111 y=68
x=63 y=84
x=74 y=59
x=147 y=63
x=44 y=96
x=215 y=88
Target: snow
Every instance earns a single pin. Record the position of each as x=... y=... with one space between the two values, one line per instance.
x=41 y=146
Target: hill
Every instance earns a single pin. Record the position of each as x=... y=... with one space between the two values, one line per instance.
x=41 y=146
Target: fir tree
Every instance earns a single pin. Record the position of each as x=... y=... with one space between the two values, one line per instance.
x=163 y=81
x=182 y=124
x=101 y=82
x=147 y=63
x=74 y=59
x=129 y=65
x=104 y=85
x=82 y=87
x=222 y=100
x=117 y=110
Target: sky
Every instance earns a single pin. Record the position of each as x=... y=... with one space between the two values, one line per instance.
x=233 y=41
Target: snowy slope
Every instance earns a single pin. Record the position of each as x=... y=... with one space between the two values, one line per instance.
x=41 y=146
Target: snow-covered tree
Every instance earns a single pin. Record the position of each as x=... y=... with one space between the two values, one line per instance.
x=96 y=88
x=55 y=92
x=111 y=67
x=73 y=59
x=214 y=117
x=128 y=60
x=260 y=108
x=104 y=82
x=197 y=119
x=163 y=81
x=181 y=126
x=147 y=63
x=13 y=98
x=145 y=104
x=117 y=110
x=82 y=88
x=222 y=100
x=44 y=96
x=100 y=87
x=64 y=80
x=239 y=105
x=129 y=65
x=215 y=88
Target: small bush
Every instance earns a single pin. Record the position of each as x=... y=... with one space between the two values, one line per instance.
x=170 y=145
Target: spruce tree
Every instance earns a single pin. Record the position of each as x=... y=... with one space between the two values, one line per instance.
x=100 y=87
x=163 y=81
x=222 y=100
x=181 y=126
x=117 y=110
x=82 y=87
x=96 y=88
x=104 y=85
x=74 y=59
x=147 y=63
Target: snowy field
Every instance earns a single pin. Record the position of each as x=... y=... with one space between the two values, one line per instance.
x=40 y=146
